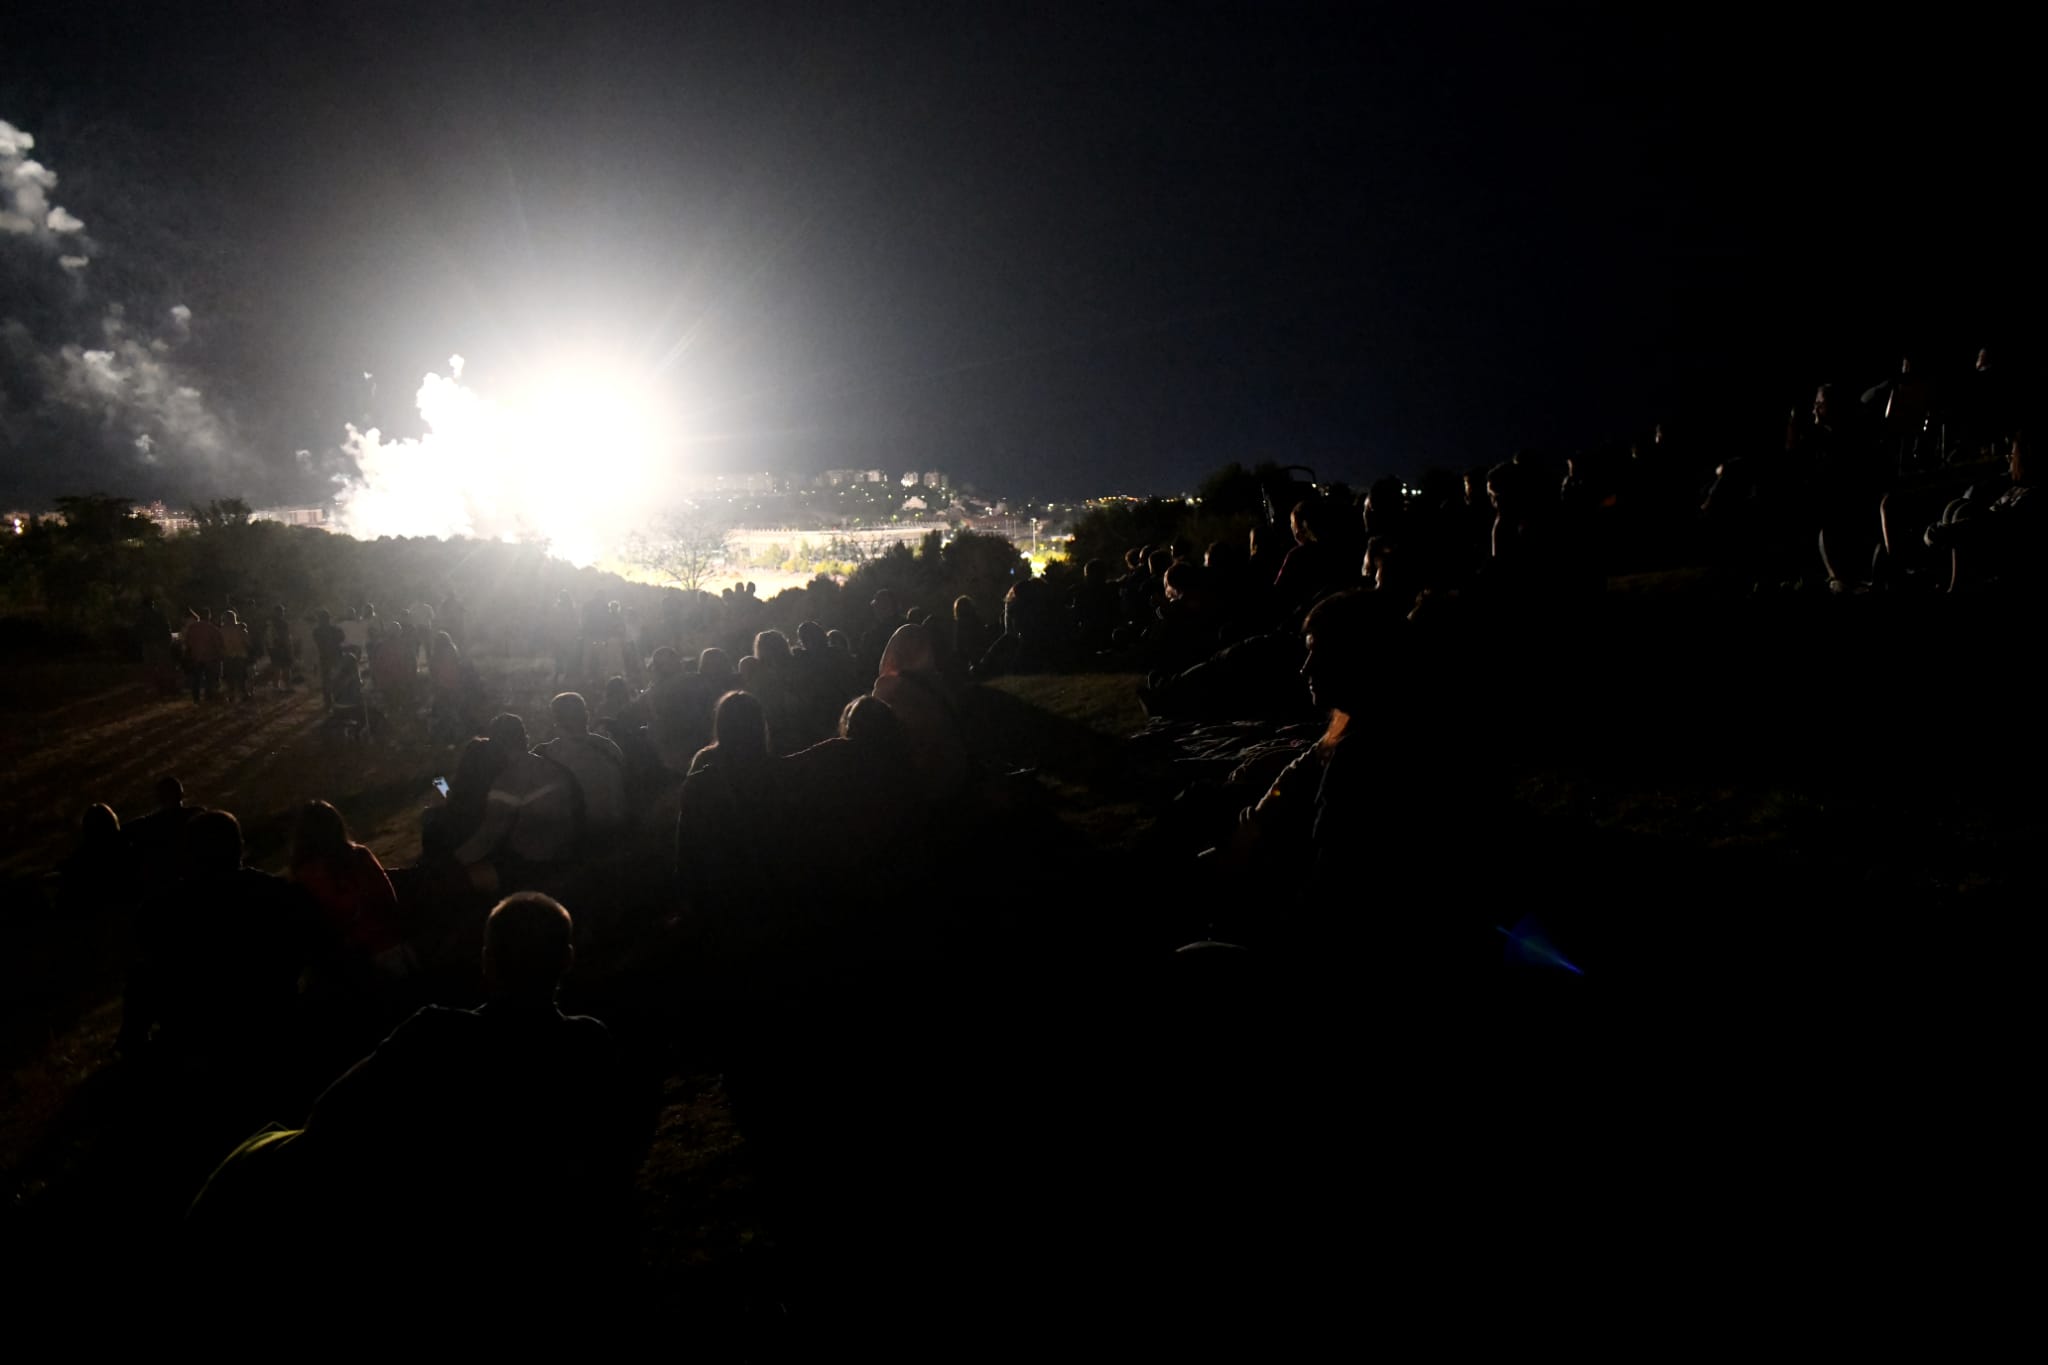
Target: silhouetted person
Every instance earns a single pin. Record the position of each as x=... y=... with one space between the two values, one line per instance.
x=203 y=653
x=155 y=839
x=673 y=722
x=530 y=825
x=727 y=822
x=1189 y=628
x=715 y=676
x=594 y=761
x=1310 y=569
x=473 y=1145
x=625 y=722
x=855 y=795
x=1357 y=822
x=235 y=654
x=823 y=680
x=772 y=680
x=328 y=638
x=477 y=769
x=970 y=638
x=277 y=643
x=349 y=886
x=223 y=949
x=351 y=708
x=2004 y=543
x=99 y=875
x=926 y=710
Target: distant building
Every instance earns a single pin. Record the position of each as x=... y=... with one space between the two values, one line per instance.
x=910 y=479
x=171 y=522
x=876 y=476
x=934 y=479
x=839 y=478
x=914 y=504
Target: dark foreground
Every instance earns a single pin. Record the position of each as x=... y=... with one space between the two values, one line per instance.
x=1791 y=849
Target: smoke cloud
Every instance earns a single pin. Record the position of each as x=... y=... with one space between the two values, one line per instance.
x=25 y=185
x=96 y=392
x=128 y=385
x=578 y=467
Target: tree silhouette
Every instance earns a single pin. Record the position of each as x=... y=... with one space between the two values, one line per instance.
x=98 y=520
x=684 y=548
x=220 y=514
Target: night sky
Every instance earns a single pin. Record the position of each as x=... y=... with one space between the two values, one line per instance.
x=1052 y=249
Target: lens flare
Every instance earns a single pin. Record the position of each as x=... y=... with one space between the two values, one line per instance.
x=577 y=457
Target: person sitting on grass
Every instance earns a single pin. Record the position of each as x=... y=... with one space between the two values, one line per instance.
x=100 y=873
x=594 y=761
x=222 y=952
x=530 y=826
x=2001 y=543
x=350 y=887
x=155 y=839
x=1362 y=823
x=472 y=1142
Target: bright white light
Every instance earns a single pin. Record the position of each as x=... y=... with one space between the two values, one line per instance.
x=579 y=455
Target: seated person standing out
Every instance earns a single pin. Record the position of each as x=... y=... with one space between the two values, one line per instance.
x=222 y=952
x=478 y=1139
x=530 y=817
x=594 y=761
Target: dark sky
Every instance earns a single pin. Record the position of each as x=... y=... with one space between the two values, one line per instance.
x=1060 y=249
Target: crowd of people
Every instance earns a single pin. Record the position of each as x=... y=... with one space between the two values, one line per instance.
x=245 y=979
x=813 y=799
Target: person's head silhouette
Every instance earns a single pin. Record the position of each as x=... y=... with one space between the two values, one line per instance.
x=528 y=948
x=740 y=727
x=213 y=844
x=571 y=713
x=508 y=730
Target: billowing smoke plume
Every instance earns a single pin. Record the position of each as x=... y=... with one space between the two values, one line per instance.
x=95 y=392
x=579 y=466
x=127 y=383
x=25 y=207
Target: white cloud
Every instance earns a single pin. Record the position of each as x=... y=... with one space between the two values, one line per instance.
x=25 y=207
x=129 y=384
x=124 y=394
